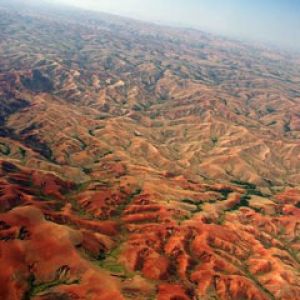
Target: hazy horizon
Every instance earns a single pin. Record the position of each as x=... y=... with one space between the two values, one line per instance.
x=275 y=22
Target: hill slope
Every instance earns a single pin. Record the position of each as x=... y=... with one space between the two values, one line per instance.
x=144 y=162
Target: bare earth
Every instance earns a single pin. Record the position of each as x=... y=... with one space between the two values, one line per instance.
x=145 y=162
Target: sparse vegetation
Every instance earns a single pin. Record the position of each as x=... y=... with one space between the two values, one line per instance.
x=270 y=110
x=214 y=140
x=87 y=170
x=83 y=144
x=22 y=152
x=225 y=193
x=4 y=149
x=36 y=289
x=272 y=123
x=286 y=128
x=138 y=112
x=246 y=185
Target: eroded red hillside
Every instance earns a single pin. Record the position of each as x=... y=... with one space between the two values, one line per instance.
x=142 y=162
x=83 y=241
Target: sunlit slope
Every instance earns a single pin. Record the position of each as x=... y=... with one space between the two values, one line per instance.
x=145 y=162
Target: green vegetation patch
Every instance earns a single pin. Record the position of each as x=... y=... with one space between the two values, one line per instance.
x=192 y=202
x=22 y=152
x=36 y=289
x=225 y=193
x=214 y=140
x=110 y=263
x=4 y=149
x=245 y=184
x=83 y=144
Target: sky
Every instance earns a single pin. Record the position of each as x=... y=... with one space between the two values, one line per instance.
x=271 y=21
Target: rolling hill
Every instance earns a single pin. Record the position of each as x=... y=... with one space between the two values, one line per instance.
x=145 y=162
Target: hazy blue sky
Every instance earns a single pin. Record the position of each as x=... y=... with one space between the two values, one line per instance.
x=275 y=21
